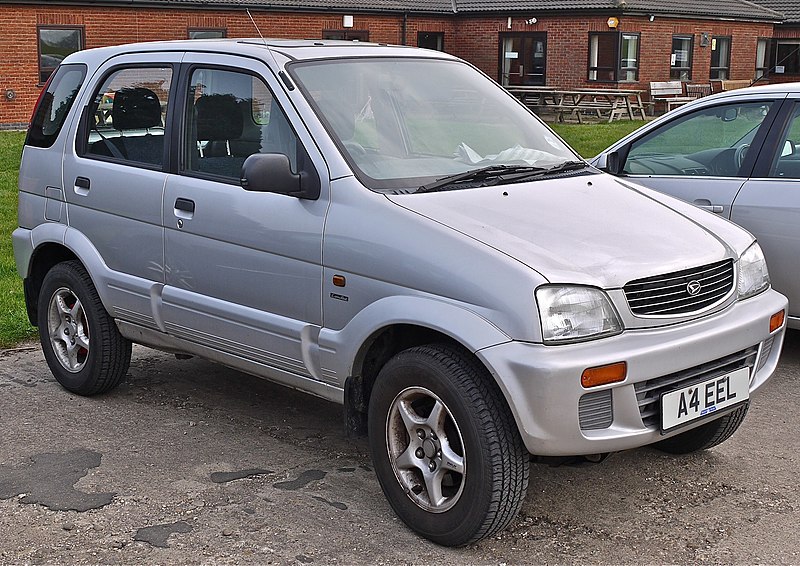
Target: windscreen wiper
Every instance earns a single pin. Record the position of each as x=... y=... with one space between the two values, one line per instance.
x=562 y=168
x=493 y=174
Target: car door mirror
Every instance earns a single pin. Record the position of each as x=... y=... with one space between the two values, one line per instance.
x=272 y=173
x=610 y=162
x=789 y=148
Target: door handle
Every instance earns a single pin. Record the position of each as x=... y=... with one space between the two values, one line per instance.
x=82 y=185
x=184 y=208
x=705 y=204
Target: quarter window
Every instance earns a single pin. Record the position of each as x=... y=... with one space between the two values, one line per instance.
x=128 y=114
x=232 y=115
x=55 y=43
x=54 y=105
x=681 y=58
x=613 y=56
x=720 y=58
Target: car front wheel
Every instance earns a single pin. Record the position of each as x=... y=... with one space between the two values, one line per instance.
x=445 y=446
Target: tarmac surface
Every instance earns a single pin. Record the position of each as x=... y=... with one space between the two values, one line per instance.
x=188 y=462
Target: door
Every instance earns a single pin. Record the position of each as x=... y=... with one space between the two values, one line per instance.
x=703 y=156
x=114 y=176
x=769 y=205
x=243 y=268
x=523 y=59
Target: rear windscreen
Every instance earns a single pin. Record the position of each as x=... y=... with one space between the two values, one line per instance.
x=54 y=103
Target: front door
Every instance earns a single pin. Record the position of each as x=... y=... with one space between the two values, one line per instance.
x=243 y=268
x=523 y=59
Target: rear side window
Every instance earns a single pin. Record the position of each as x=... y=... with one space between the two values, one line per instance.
x=127 y=116
x=54 y=104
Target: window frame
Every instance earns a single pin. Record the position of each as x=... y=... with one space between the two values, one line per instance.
x=439 y=36
x=40 y=69
x=762 y=66
x=676 y=70
x=182 y=145
x=82 y=135
x=358 y=34
x=726 y=68
x=618 y=70
x=773 y=54
x=190 y=31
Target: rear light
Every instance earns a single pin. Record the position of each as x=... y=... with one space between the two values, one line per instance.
x=603 y=375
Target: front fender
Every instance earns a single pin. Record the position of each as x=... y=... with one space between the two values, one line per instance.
x=339 y=348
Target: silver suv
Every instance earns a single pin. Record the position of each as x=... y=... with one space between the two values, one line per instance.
x=386 y=228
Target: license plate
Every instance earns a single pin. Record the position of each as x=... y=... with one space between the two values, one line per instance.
x=703 y=399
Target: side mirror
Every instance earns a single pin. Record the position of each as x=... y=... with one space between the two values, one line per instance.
x=788 y=148
x=610 y=163
x=272 y=173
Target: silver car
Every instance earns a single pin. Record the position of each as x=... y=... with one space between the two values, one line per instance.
x=736 y=154
x=388 y=229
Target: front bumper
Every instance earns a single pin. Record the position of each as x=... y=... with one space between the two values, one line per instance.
x=542 y=384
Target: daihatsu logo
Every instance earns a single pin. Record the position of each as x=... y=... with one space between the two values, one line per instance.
x=693 y=287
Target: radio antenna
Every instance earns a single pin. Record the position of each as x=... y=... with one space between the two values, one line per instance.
x=255 y=25
x=283 y=76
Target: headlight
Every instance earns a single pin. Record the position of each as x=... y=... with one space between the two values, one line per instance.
x=570 y=313
x=753 y=275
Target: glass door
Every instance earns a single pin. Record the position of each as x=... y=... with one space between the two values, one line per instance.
x=523 y=59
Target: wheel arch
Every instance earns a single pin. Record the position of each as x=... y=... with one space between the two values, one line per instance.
x=407 y=322
x=52 y=244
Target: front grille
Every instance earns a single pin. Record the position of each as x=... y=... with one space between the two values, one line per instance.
x=648 y=393
x=595 y=410
x=666 y=295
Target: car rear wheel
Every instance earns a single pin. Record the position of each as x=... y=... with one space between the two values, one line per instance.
x=81 y=343
x=445 y=446
x=705 y=436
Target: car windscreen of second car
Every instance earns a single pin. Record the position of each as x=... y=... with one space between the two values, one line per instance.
x=405 y=122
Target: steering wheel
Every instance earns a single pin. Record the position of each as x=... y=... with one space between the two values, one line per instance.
x=739 y=155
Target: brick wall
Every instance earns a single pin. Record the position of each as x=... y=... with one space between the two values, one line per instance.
x=568 y=45
x=475 y=39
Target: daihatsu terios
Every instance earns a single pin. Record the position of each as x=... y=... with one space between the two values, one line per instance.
x=387 y=228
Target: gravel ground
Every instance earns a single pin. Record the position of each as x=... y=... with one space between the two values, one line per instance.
x=188 y=462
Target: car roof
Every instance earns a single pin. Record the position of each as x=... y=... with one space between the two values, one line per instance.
x=289 y=49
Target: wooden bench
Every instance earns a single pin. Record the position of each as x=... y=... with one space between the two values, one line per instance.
x=734 y=84
x=668 y=92
x=698 y=90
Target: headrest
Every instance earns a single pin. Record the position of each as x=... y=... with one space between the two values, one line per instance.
x=135 y=108
x=219 y=117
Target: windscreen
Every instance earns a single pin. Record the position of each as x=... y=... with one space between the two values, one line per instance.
x=404 y=122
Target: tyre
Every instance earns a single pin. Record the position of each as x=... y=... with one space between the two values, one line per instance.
x=81 y=343
x=705 y=436
x=446 y=449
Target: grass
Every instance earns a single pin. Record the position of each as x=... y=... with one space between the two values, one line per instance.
x=591 y=139
x=587 y=139
x=14 y=325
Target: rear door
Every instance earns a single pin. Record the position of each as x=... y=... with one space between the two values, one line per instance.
x=769 y=203
x=114 y=175
x=243 y=268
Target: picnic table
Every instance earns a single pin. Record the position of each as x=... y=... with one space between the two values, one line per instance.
x=601 y=102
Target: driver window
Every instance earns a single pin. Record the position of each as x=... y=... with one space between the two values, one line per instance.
x=709 y=142
x=787 y=160
x=232 y=115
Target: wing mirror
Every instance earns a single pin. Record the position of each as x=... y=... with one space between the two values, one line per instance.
x=272 y=173
x=610 y=162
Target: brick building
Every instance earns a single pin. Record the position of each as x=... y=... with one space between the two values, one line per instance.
x=565 y=43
